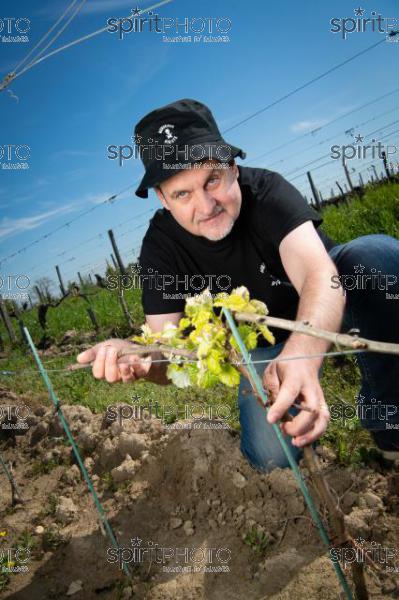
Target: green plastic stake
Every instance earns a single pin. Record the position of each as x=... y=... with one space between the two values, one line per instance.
x=287 y=452
x=103 y=518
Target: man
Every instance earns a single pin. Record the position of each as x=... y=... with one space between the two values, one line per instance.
x=229 y=226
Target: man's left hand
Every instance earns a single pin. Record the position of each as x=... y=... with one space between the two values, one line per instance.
x=297 y=380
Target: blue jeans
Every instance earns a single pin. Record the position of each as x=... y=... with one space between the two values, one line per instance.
x=372 y=306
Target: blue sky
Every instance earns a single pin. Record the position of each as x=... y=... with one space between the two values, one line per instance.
x=75 y=104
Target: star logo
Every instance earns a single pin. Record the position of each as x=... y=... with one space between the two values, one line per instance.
x=359 y=11
x=136 y=541
x=137 y=138
x=136 y=11
x=135 y=397
x=359 y=138
x=359 y=268
x=135 y=269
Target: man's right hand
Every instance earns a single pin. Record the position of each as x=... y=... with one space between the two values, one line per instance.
x=107 y=364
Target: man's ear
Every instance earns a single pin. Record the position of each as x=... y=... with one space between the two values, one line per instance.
x=161 y=197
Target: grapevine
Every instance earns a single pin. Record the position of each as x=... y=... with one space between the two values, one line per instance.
x=203 y=332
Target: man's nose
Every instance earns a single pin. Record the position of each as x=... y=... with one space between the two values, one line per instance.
x=205 y=203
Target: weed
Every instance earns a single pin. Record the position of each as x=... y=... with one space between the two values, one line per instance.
x=257 y=540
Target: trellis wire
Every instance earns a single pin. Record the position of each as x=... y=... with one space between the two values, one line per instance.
x=165 y=360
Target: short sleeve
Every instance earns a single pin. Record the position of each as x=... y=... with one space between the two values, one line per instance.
x=283 y=208
x=154 y=267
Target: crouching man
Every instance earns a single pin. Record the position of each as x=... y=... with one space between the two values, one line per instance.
x=234 y=226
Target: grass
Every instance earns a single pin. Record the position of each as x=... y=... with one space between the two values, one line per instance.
x=257 y=540
x=341 y=385
x=41 y=468
x=50 y=508
x=24 y=543
x=52 y=539
x=376 y=212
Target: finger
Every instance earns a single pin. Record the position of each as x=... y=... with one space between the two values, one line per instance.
x=99 y=362
x=285 y=398
x=111 y=365
x=127 y=373
x=142 y=366
x=271 y=380
x=86 y=356
x=319 y=428
x=304 y=420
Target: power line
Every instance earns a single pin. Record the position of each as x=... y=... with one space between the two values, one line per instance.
x=12 y=76
x=120 y=236
x=45 y=36
x=50 y=233
x=325 y=155
x=57 y=35
x=97 y=236
x=314 y=131
x=363 y=165
x=333 y=136
x=102 y=233
x=307 y=84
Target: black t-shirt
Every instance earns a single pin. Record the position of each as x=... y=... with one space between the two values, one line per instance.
x=176 y=264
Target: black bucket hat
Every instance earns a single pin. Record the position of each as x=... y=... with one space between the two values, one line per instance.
x=174 y=136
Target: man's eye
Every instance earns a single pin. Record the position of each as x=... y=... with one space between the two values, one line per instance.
x=181 y=194
x=213 y=180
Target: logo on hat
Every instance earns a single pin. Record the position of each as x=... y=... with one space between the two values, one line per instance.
x=166 y=129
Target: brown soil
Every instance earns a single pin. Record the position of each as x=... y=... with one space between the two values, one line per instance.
x=179 y=489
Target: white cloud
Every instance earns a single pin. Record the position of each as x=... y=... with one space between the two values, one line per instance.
x=98 y=198
x=304 y=126
x=63 y=153
x=13 y=226
x=98 y=7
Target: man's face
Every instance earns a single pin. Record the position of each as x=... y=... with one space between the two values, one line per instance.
x=206 y=200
